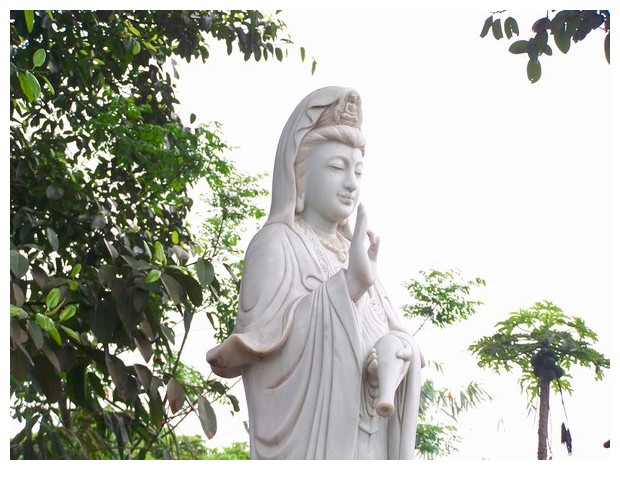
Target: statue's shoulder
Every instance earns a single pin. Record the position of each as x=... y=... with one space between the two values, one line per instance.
x=264 y=265
x=270 y=238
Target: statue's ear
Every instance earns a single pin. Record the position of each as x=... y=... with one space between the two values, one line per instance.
x=299 y=203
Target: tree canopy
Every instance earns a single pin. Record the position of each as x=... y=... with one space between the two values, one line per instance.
x=105 y=268
x=562 y=25
x=544 y=343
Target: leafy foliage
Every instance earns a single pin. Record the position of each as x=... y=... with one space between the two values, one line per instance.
x=542 y=342
x=563 y=25
x=436 y=433
x=104 y=267
x=443 y=298
x=192 y=447
x=236 y=451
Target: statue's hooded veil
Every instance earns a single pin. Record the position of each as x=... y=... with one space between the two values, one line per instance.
x=301 y=121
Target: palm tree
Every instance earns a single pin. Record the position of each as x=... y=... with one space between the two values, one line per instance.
x=544 y=343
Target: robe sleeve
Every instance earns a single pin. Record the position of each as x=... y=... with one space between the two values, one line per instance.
x=272 y=286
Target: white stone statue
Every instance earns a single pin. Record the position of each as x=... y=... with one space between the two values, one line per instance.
x=328 y=370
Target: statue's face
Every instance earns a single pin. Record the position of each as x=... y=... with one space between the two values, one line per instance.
x=332 y=182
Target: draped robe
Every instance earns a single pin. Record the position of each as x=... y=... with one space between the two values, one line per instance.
x=301 y=346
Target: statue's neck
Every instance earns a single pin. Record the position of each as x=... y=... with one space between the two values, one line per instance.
x=323 y=228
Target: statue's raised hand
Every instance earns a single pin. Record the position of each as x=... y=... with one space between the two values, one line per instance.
x=362 y=270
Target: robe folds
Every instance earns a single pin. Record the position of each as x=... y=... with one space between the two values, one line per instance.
x=301 y=346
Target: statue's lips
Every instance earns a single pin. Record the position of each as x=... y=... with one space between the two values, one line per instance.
x=346 y=199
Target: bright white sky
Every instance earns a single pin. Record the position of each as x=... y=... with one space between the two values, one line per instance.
x=468 y=166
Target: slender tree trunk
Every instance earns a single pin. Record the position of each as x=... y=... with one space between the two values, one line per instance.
x=543 y=417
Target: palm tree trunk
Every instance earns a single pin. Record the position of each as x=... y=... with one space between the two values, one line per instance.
x=543 y=418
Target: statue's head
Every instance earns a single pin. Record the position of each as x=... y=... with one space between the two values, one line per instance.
x=334 y=146
x=327 y=118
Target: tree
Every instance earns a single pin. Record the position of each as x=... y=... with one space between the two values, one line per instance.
x=442 y=298
x=544 y=343
x=563 y=25
x=104 y=267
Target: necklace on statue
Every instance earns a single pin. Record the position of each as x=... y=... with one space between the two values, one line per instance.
x=340 y=250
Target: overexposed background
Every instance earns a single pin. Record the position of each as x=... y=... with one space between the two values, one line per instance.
x=467 y=166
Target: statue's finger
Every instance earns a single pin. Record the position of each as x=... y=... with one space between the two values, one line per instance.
x=373 y=250
x=360 y=223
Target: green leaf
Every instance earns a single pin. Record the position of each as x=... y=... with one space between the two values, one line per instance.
x=175 y=237
x=541 y=40
x=144 y=345
x=47 y=324
x=302 y=51
x=72 y=333
x=173 y=288
x=511 y=27
x=35 y=334
x=18 y=334
x=24 y=86
x=131 y=28
x=29 y=17
x=156 y=408
x=117 y=370
x=144 y=375
x=38 y=58
x=49 y=85
x=175 y=395
x=189 y=284
x=188 y=315
x=67 y=312
x=158 y=254
x=607 y=40
x=562 y=40
x=541 y=24
x=28 y=86
x=132 y=262
x=520 y=46
x=77 y=268
x=205 y=272
x=53 y=239
x=207 y=417
x=44 y=321
x=19 y=264
x=111 y=249
x=534 y=71
x=147 y=250
x=105 y=274
x=33 y=85
x=136 y=47
x=152 y=276
x=497 y=29
x=76 y=387
x=48 y=379
x=532 y=50
x=487 y=25
x=15 y=311
x=53 y=298
x=279 y=54
x=192 y=118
